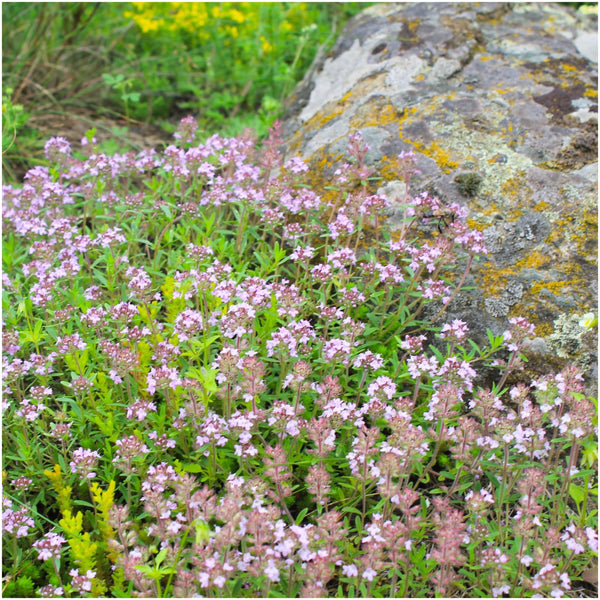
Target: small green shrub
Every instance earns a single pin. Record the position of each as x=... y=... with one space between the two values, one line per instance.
x=231 y=64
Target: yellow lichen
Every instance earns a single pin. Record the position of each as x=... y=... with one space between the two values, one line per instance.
x=442 y=156
x=542 y=206
x=553 y=286
x=569 y=68
x=389 y=168
x=495 y=280
x=375 y=114
x=473 y=224
x=500 y=90
x=541 y=329
x=515 y=187
x=533 y=260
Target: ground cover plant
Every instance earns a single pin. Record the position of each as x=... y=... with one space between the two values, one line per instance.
x=142 y=66
x=218 y=382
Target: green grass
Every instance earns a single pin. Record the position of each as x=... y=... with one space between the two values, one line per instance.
x=100 y=59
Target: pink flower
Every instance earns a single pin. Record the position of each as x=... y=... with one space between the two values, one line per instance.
x=369 y=574
x=271 y=571
x=592 y=538
x=161 y=378
x=162 y=442
x=49 y=546
x=16 y=522
x=421 y=365
x=129 y=448
x=30 y=412
x=575 y=539
x=472 y=241
x=49 y=591
x=351 y=297
x=110 y=238
x=454 y=331
x=140 y=409
x=291 y=339
x=296 y=165
x=342 y=257
x=521 y=330
x=369 y=360
x=238 y=320
x=336 y=350
x=500 y=591
x=302 y=254
x=188 y=323
x=21 y=483
x=342 y=224
x=350 y=570
x=57 y=149
x=84 y=461
x=139 y=282
x=389 y=272
x=82 y=583
x=435 y=289
x=413 y=344
x=186 y=130
x=70 y=343
x=212 y=429
x=383 y=388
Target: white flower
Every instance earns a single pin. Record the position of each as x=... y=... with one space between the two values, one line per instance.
x=499 y=591
x=271 y=571
x=592 y=537
x=588 y=321
x=369 y=574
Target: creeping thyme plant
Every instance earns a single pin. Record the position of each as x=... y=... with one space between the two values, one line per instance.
x=218 y=382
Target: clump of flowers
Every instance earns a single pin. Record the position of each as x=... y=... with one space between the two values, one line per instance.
x=214 y=387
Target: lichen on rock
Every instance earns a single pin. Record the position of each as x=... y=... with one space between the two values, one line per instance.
x=499 y=103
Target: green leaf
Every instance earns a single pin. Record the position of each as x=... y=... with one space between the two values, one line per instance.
x=202 y=531
x=351 y=509
x=113 y=80
x=161 y=556
x=131 y=96
x=166 y=209
x=193 y=468
x=105 y=423
x=89 y=134
x=301 y=516
x=35 y=335
x=577 y=492
x=198 y=345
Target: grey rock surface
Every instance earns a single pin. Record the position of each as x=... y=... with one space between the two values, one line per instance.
x=506 y=91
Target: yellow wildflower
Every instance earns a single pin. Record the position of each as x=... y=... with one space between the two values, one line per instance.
x=266 y=46
x=236 y=15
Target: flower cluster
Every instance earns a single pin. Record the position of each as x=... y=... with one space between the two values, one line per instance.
x=213 y=388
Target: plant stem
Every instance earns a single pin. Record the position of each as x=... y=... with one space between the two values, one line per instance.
x=456 y=290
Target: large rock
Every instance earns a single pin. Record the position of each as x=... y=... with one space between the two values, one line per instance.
x=499 y=101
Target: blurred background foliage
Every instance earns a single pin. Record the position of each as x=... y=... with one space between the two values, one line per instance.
x=141 y=66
